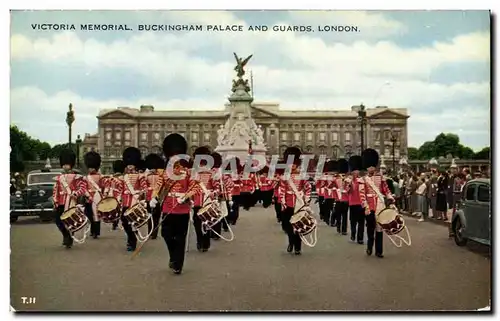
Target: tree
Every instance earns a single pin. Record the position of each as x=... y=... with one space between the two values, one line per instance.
x=25 y=148
x=483 y=154
x=412 y=153
x=443 y=145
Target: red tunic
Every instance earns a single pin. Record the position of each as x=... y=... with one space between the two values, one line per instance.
x=320 y=183
x=151 y=180
x=276 y=185
x=248 y=185
x=371 y=194
x=341 y=191
x=66 y=186
x=355 y=187
x=330 y=189
x=175 y=190
x=94 y=186
x=114 y=186
x=266 y=184
x=226 y=187
x=209 y=187
x=134 y=185
x=287 y=194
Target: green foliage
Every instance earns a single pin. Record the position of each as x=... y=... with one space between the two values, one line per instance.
x=443 y=145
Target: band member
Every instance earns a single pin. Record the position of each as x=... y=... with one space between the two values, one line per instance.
x=355 y=187
x=342 y=199
x=278 y=174
x=93 y=191
x=135 y=186
x=293 y=191
x=68 y=187
x=374 y=186
x=173 y=191
x=266 y=187
x=320 y=187
x=207 y=192
x=257 y=193
x=330 y=191
x=114 y=185
x=248 y=188
x=224 y=194
x=236 y=193
x=155 y=165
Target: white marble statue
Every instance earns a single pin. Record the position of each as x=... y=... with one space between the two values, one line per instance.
x=221 y=136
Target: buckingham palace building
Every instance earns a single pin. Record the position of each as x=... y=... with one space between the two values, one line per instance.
x=335 y=133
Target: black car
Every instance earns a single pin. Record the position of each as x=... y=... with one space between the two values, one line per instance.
x=36 y=198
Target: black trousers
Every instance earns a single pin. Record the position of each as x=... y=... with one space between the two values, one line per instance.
x=357 y=218
x=267 y=198
x=247 y=200
x=234 y=214
x=174 y=230
x=277 y=209
x=131 y=237
x=95 y=227
x=156 y=213
x=293 y=238
x=67 y=239
x=373 y=236
x=256 y=197
x=321 y=205
x=329 y=218
x=202 y=240
x=340 y=211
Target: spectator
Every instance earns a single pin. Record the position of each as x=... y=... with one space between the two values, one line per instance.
x=420 y=197
x=442 y=188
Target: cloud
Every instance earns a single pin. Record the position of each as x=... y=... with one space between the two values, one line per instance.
x=305 y=71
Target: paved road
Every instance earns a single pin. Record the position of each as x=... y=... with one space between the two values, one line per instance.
x=253 y=273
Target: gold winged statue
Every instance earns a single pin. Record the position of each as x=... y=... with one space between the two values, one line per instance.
x=240 y=64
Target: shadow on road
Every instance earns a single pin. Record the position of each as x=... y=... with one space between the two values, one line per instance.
x=29 y=221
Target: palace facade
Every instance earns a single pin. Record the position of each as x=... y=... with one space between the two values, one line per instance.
x=336 y=133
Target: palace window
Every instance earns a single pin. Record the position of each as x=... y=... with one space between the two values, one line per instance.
x=348 y=136
x=309 y=136
x=127 y=135
x=284 y=136
x=322 y=136
x=118 y=135
x=144 y=136
x=296 y=136
x=157 y=136
x=194 y=136
x=108 y=135
x=335 y=137
x=206 y=136
x=387 y=151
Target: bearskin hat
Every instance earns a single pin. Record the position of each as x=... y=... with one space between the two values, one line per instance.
x=239 y=166
x=203 y=150
x=264 y=170
x=174 y=144
x=370 y=158
x=92 y=160
x=217 y=159
x=118 y=166
x=343 y=166
x=132 y=156
x=154 y=161
x=333 y=166
x=295 y=151
x=355 y=163
x=67 y=157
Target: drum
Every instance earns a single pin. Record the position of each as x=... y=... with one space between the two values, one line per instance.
x=109 y=210
x=137 y=215
x=390 y=221
x=210 y=214
x=303 y=223
x=74 y=219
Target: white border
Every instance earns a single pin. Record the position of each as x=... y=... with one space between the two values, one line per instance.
x=185 y=4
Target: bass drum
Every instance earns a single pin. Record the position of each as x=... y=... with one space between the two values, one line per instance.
x=392 y=223
x=305 y=225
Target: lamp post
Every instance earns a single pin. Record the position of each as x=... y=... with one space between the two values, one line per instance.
x=362 y=122
x=78 y=143
x=394 y=140
x=70 y=118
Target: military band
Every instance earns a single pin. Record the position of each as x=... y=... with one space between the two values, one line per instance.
x=342 y=199
x=355 y=187
x=94 y=186
x=155 y=166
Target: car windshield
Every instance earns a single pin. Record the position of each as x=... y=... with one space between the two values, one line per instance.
x=42 y=178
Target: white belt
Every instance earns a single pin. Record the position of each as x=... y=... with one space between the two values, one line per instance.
x=290 y=192
x=371 y=195
x=176 y=194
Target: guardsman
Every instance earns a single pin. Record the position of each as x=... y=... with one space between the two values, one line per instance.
x=237 y=197
x=375 y=186
x=248 y=187
x=355 y=187
x=266 y=187
x=342 y=198
x=225 y=193
x=135 y=187
x=95 y=183
x=278 y=174
x=320 y=189
x=114 y=185
x=329 y=192
x=173 y=191
x=155 y=166
x=207 y=192
x=293 y=188
x=68 y=187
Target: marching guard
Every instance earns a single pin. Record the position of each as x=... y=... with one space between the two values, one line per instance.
x=266 y=187
x=155 y=166
x=320 y=189
x=329 y=193
x=375 y=186
x=342 y=202
x=293 y=191
x=236 y=192
x=207 y=192
x=224 y=193
x=68 y=187
x=94 y=187
x=355 y=187
x=114 y=184
x=248 y=188
x=135 y=186
x=173 y=191
x=278 y=175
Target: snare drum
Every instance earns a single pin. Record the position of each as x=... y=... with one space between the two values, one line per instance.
x=137 y=215
x=210 y=214
x=303 y=223
x=109 y=209
x=390 y=221
x=74 y=219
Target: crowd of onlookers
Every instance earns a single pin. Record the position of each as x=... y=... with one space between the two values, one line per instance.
x=433 y=193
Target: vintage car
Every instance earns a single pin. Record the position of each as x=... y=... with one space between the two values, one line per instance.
x=472 y=218
x=36 y=198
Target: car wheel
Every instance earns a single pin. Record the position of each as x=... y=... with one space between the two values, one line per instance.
x=13 y=218
x=460 y=240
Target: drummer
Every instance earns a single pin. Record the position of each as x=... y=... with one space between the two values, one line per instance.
x=342 y=203
x=224 y=194
x=289 y=197
x=69 y=185
x=135 y=186
x=114 y=184
x=94 y=187
x=173 y=190
x=154 y=164
x=207 y=192
x=329 y=192
x=374 y=185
